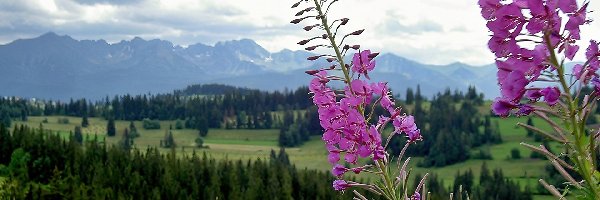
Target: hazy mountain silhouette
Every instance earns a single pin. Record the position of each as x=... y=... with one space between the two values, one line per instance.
x=59 y=67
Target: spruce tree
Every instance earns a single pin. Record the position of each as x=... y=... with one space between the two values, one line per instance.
x=78 y=136
x=133 y=132
x=5 y=119
x=410 y=96
x=111 y=130
x=530 y=123
x=84 y=121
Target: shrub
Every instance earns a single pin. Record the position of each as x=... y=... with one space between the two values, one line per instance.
x=151 y=124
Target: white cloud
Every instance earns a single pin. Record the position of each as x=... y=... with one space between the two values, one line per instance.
x=431 y=31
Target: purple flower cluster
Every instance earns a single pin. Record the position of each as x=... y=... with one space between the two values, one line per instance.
x=346 y=131
x=539 y=24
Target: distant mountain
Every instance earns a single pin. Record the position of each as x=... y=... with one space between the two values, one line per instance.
x=59 y=67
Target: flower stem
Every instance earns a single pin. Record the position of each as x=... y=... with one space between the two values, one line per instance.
x=388 y=183
x=577 y=127
x=338 y=53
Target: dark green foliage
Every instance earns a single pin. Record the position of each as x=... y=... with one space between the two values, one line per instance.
x=178 y=124
x=202 y=126
x=483 y=154
x=5 y=119
x=69 y=171
x=84 y=121
x=24 y=115
x=463 y=184
x=451 y=127
x=410 y=96
x=515 y=153
x=126 y=141
x=295 y=130
x=434 y=185
x=529 y=131
x=133 y=132
x=78 y=135
x=111 y=130
x=497 y=187
x=168 y=141
x=150 y=124
x=199 y=142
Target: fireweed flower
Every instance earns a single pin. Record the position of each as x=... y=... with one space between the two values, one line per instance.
x=340 y=185
x=346 y=115
x=523 y=34
x=532 y=40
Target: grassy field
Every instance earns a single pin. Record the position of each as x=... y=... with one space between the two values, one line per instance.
x=257 y=144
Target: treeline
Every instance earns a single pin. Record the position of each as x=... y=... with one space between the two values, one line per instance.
x=297 y=127
x=492 y=185
x=451 y=127
x=222 y=106
x=37 y=164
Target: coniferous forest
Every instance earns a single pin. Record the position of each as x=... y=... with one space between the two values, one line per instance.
x=39 y=164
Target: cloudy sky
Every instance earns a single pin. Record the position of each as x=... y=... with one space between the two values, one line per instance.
x=429 y=31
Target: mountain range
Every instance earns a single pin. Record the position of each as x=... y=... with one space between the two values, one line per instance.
x=59 y=67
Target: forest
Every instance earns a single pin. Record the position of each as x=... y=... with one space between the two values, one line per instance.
x=78 y=168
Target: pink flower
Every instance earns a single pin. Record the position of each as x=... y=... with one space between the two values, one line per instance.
x=524 y=109
x=340 y=185
x=416 y=196
x=350 y=157
x=596 y=83
x=379 y=153
x=551 y=95
x=568 y=6
x=533 y=94
x=362 y=64
x=502 y=107
x=333 y=157
x=513 y=87
x=357 y=170
x=339 y=170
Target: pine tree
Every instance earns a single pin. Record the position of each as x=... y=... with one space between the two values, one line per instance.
x=530 y=123
x=202 y=126
x=78 y=136
x=84 y=121
x=111 y=130
x=5 y=119
x=126 y=141
x=410 y=96
x=133 y=132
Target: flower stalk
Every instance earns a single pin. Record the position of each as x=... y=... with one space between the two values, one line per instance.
x=347 y=127
x=520 y=68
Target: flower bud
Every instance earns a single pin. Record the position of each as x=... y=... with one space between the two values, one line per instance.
x=305 y=10
x=296 y=21
x=324 y=36
x=296 y=4
x=311 y=72
x=303 y=42
x=373 y=55
x=357 y=32
x=355 y=47
x=311 y=48
x=313 y=57
x=330 y=59
x=344 y=21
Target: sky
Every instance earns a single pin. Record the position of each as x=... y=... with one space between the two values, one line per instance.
x=428 y=31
